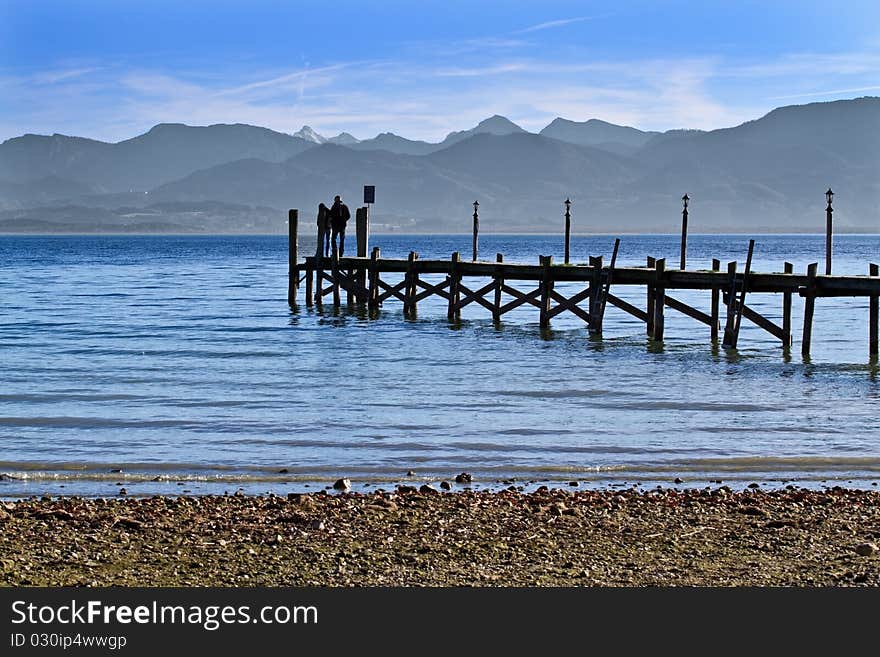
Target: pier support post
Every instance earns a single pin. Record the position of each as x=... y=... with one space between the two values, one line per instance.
x=716 y=298
x=649 y=306
x=809 y=307
x=453 y=311
x=874 y=313
x=546 y=290
x=595 y=295
x=293 y=255
x=334 y=263
x=362 y=217
x=499 y=283
x=731 y=305
x=411 y=288
x=659 y=299
x=373 y=300
x=310 y=271
x=605 y=290
x=788 y=268
x=741 y=304
x=319 y=280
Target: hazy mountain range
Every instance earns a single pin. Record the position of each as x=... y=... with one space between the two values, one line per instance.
x=765 y=175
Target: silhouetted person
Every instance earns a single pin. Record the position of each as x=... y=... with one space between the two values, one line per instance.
x=339 y=216
x=324 y=229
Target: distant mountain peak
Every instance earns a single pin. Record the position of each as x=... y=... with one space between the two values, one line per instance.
x=497 y=124
x=494 y=125
x=308 y=134
x=344 y=139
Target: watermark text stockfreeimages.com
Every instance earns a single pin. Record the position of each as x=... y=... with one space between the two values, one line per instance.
x=210 y=617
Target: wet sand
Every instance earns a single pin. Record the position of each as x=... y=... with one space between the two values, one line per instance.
x=554 y=537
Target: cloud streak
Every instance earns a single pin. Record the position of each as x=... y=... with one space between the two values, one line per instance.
x=552 y=24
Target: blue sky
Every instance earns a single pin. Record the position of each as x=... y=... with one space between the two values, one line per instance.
x=111 y=69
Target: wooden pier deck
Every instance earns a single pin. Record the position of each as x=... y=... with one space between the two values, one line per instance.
x=500 y=287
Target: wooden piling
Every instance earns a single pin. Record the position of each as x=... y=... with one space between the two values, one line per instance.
x=373 y=295
x=596 y=262
x=453 y=312
x=809 y=307
x=292 y=255
x=411 y=288
x=874 y=313
x=605 y=290
x=659 y=299
x=716 y=298
x=740 y=307
x=319 y=280
x=731 y=305
x=788 y=268
x=649 y=309
x=334 y=263
x=499 y=284
x=546 y=289
x=362 y=226
x=309 y=273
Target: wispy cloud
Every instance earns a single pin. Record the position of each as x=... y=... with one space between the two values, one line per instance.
x=551 y=24
x=832 y=92
x=54 y=77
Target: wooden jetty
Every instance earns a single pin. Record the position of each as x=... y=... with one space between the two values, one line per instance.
x=500 y=287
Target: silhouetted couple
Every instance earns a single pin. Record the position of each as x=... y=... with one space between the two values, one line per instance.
x=331 y=225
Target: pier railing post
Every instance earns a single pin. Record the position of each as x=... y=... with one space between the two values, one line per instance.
x=499 y=283
x=788 y=268
x=546 y=289
x=453 y=311
x=874 y=314
x=716 y=297
x=659 y=299
x=809 y=307
x=293 y=255
x=373 y=297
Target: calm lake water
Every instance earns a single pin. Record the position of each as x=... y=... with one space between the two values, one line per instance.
x=177 y=359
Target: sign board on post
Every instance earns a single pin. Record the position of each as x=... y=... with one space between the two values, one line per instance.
x=369 y=194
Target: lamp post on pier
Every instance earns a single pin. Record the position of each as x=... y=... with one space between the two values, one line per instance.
x=829 y=195
x=567 y=227
x=684 y=231
x=476 y=227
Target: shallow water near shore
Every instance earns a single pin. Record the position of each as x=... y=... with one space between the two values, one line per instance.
x=169 y=364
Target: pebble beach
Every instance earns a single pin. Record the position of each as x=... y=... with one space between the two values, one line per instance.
x=413 y=537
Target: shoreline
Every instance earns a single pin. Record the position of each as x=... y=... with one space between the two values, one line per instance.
x=412 y=537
